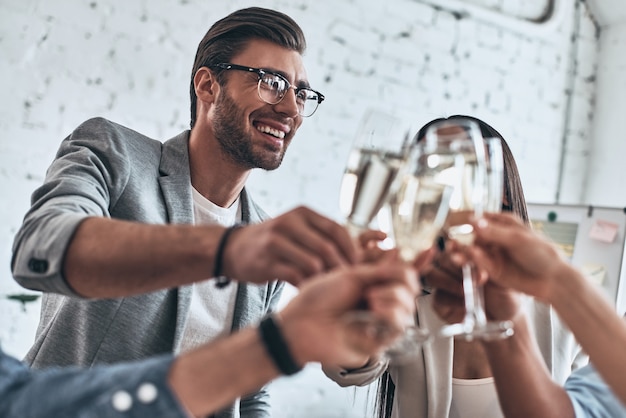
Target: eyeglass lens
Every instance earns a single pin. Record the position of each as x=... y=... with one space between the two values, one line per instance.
x=272 y=89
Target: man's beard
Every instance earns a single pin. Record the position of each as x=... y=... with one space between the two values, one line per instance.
x=228 y=126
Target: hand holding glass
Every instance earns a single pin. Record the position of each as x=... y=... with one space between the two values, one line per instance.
x=379 y=150
x=494 y=192
x=450 y=138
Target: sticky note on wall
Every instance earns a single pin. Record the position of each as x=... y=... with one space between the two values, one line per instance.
x=603 y=231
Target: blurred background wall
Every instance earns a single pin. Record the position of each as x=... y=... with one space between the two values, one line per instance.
x=548 y=74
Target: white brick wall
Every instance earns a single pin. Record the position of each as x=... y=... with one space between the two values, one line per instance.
x=607 y=176
x=64 y=61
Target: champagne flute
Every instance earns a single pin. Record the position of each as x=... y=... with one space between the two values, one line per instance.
x=462 y=136
x=379 y=151
x=418 y=207
x=380 y=148
x=494 y=191
x=495 y=174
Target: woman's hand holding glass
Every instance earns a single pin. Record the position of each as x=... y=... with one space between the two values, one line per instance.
x=445 y=275
x=492 y=328
x=476 y=186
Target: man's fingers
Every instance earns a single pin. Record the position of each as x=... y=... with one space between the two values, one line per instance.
x=335 y=234
x=387 y=273
x=371 y=237
x=393 y=300
x=370 y=335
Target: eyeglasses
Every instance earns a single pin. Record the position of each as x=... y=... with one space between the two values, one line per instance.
x=272 y=88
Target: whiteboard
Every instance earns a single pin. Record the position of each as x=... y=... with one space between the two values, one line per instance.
x=598 y=235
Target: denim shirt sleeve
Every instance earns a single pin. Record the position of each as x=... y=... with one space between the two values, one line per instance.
x=591 y=397
x=137 y=389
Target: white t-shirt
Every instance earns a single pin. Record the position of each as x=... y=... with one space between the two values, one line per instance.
x=212 y=309
x=474 y=398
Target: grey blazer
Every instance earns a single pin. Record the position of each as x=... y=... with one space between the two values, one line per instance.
x=105 y=169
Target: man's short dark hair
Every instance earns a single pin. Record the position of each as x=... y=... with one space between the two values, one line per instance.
x=230 y=35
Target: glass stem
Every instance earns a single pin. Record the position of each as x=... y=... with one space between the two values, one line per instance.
x=479 y=305
x=353 y=229
x=468 y=291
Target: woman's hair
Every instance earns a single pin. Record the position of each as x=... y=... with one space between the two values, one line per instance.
x=515 y=202
x=513 y=192
x=384 y=395
x=230 y=35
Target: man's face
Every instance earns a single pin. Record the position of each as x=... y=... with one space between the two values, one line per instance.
x=256 y=134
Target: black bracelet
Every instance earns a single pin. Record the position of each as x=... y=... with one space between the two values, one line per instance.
x=221 y=280
x=276 y=346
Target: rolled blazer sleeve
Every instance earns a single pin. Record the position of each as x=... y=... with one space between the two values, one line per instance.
x=86 y=178
x=130 y=390
x=357 y=377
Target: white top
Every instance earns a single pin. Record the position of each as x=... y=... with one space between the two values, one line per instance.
x=212 y=309
x=474 y=398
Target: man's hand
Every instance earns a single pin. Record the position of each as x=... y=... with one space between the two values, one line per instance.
x=316 y=322
x=291 y=247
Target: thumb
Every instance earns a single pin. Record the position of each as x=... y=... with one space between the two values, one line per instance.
x=387 y=273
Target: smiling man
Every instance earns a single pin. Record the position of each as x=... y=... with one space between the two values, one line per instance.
x=126 y=235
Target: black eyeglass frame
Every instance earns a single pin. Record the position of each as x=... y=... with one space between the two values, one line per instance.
x=260 y=72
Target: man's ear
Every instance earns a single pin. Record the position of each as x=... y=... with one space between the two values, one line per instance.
x=206 y=85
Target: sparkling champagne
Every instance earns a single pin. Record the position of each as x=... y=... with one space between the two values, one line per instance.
x=418 y=212
x=466 y=202
x=366 y=183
